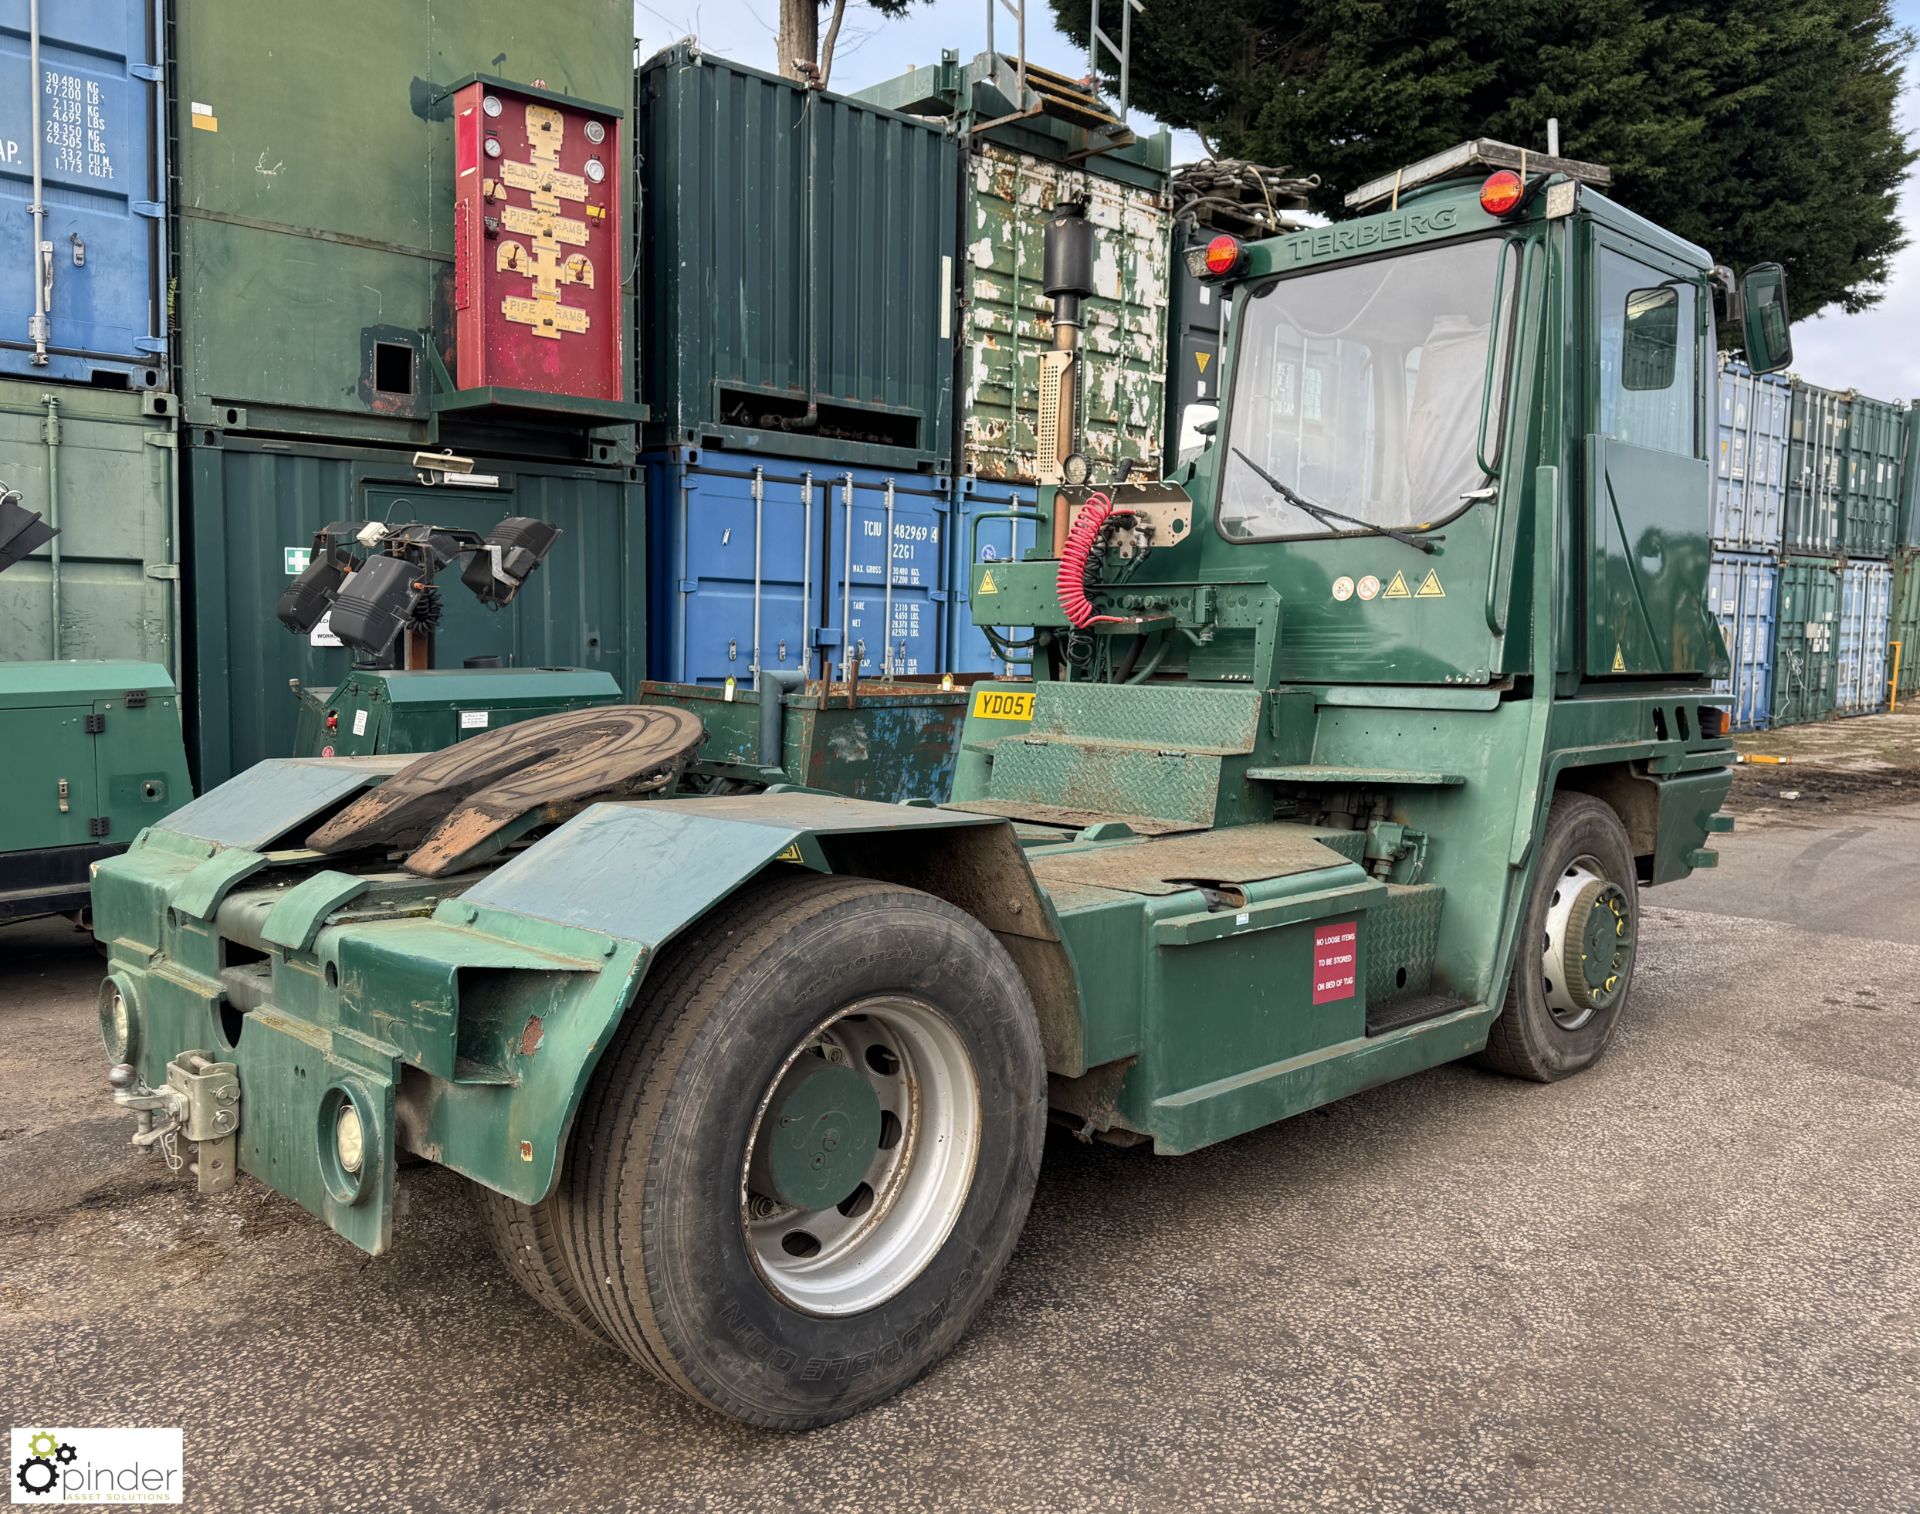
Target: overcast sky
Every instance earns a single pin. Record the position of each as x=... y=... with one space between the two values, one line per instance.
x=1877 y=353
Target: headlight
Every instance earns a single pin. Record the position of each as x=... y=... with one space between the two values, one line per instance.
x=118 y=1021
x=349 y=1137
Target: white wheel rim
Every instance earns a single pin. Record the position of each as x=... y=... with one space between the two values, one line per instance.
x=866 y=1252
x=1568 y=1011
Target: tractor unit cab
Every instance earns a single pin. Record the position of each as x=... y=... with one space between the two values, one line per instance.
x=1346 y=751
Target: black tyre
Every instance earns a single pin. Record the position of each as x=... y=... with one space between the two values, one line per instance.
x=527 y=1239
x=801 y=1168
x=1573 y=962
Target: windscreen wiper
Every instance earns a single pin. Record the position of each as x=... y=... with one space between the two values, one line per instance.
x=1327 y=516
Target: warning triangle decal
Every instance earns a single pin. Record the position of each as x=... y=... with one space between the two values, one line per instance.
x=1430 y=587
x=1201 y=358
x=987 y=585
x=1398 y=588
x=1619 y=662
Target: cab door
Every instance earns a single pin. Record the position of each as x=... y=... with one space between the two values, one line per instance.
x=1647 y=477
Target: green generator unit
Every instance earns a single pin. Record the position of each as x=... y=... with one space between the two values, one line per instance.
x=375 y=710
x=94 y=755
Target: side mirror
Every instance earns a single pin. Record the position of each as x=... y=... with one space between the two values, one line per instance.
x=1764 y=322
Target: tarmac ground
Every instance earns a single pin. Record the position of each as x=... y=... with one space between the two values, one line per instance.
x=1684 y=1279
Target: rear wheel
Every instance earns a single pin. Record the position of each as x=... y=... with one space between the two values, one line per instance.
x=1573 y=968
x=527 y=1238
x=800 y=1170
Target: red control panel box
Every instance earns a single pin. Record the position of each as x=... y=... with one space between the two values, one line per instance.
x=538 y=233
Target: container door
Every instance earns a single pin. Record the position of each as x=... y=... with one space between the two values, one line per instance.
x=101 y=164
x=886 y=603
x=743 y=545
x=993 y=541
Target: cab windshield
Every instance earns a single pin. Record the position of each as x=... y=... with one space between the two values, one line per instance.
x=1359 y=386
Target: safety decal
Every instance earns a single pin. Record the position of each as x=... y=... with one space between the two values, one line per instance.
x=1619 y=662
x=1201 y=359
x=1343 y=588
x=1336 y=961
x=987 y=585
x=1397 y=588
x=1369 y=587
x=1430 y=587
x=789 y=853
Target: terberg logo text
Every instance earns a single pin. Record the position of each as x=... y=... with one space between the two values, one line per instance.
x=99 y=1465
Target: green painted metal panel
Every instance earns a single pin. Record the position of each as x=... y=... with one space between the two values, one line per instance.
x=1906 y=623
x=1870 y=507
x=255 y=507
x=1806 y=640
x=1121 y=381
x=316 y=192
x=382 y=710
x=100 y=465
x=797 y=256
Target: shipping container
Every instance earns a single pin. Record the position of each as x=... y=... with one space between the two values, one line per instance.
x=1910 y=479
x=1020 y=160
x=1816 y=465
x=1807 y=615
x=1904 y=642
x=100 y=465
x=985 y=532
x=1870 y=507
x=797 y=258
x=254 y=507
x=315 y=199
x=1860 y=642
x=784 y=563
x=1749 y=485
x=1741 y=588
x=102 y=165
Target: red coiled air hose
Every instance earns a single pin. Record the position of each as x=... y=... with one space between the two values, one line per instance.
x=1071 y=581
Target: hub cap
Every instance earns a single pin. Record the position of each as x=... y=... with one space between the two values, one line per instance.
x=861 y=1156
x=1587 y=955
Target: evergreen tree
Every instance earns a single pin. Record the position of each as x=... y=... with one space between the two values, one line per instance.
x=1763 y=129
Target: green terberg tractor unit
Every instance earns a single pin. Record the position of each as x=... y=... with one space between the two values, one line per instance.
x=1347 y=752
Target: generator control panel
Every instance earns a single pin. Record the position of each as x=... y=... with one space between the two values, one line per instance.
x=538 y=239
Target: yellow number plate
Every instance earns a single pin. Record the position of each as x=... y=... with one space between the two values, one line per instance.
x=1002 y=704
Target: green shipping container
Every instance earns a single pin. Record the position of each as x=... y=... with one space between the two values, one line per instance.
x=797 y=255
x=100 y=465
x=1806 y=643
x=1906 y=624
x=255 y=507
x=1870 y=511
x=316 y=193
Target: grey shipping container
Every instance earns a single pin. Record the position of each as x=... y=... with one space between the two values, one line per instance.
x=1750 y=467
x=1860 y=651
x=98 y=103
x=1816 y=465
x=797 y=257
x=254 y=508
x=100 y=465
x=315 y=200
x=1741 y=591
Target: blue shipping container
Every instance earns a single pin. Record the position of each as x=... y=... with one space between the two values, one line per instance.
x=1866 y=616
x=1750 y=471
x=1742 y=588
x=993 y=541
x=785 y=563
x=103 y=172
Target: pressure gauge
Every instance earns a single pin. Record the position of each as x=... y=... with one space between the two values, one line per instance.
x=596 y=132
x=596 y=171
x=490 y=104
x=1074 y=468
x=493 y=147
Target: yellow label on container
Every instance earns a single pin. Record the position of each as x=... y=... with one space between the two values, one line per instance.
x=1003 y=704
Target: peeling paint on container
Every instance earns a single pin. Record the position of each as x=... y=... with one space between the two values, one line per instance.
x=1122 y=385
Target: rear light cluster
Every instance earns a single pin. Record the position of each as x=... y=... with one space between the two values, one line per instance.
x=1220 y=257
x=1502 y=193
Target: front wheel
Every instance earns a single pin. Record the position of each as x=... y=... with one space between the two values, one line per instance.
x=1573 y=965
x=799 y=1173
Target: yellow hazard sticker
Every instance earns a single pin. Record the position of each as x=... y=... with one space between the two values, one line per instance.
x=1619 y=662
x=789 y=853
x=1003 y=704
x=1430 y=587
x=1201 y=359
x=1397 y=588
x=987 y=585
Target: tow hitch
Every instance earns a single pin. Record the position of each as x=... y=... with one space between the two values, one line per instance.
x=199 y=1103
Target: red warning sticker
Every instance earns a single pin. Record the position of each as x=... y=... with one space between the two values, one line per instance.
x=1336 y=961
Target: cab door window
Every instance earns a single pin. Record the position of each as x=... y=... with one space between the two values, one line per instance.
x=1649 y=356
